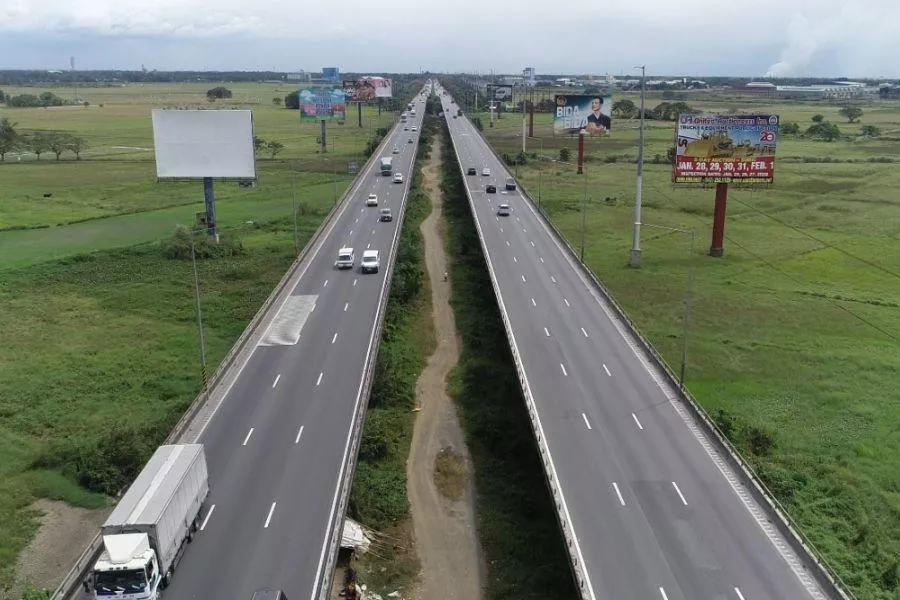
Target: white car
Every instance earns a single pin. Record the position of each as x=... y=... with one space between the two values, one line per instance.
x=369 y=262
x=398 y=177
x=372 y=200
x=396 y=150
x=503 y=210
x=413 y=128
x=345 y=258
x=486 y=172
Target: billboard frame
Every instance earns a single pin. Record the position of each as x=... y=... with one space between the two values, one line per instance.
x=772 y=121
x=584 y=100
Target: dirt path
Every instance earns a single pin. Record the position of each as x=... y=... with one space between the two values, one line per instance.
x=440 y=487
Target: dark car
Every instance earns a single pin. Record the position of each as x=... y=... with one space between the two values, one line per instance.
x=385 y=215
x=491 y=189
x=471 y=171
x=269 y=595
x=510 y=183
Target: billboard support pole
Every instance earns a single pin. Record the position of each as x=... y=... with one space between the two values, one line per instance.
x=718 y=234
x=324 y=140
x=581 y=152
x=209 y=198
x=359 y=113
x=531 y=117
x=635 y=258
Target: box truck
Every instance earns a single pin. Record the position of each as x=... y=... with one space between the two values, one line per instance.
x=146 y=534
x=387 y=168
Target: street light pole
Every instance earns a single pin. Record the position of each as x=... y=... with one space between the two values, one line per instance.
x=540 y=169
x=583 y=214
x=686 y=303
x=199 y=313
x=635 y=260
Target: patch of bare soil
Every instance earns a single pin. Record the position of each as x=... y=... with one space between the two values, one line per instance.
x=64 y=533
x=439 y=469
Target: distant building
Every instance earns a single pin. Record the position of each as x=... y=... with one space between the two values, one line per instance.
x=841 y=90
x=528 y=76
x=299 y=76
x=755 y=88
x=331 y=74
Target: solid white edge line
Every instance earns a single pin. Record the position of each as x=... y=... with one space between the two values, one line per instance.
x=269 y=517
x=277 y=377
x=247 y=439
x=680 y=495
x=563 y=367
x=319 y=380
x=540 y=426
x=638 y=423
x=618 y=493
x=605 y=368
x=209 y=514
x=586 y=422
x=299 y=433
x=739 y=594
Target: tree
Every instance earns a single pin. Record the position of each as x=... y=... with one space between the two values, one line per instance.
x=825 y=131
x=275 y=147
x=292 y=100
x=851 y=113
x=258 y=144
x=58 y=143
x=276 y=101
x=870 y=131
x=76 y=145
x=218 y=93
x=9 y=138
x=790 y=129
x=565 y=154
x=624 y=109
x=817 y=118
x=38 y=143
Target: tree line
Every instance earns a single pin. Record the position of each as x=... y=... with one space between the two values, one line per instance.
x=38 y=141
x=43 y=100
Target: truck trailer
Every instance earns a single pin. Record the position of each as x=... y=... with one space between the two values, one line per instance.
x=146 y=534
x=387 y=168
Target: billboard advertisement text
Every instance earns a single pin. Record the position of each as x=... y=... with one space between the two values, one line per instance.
x=591 y=113
x=317 y=104
x=500 y=93
x=736 y=149
x=367 y=89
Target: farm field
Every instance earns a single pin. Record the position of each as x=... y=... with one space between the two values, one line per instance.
x=100 y=333
x=794 y=333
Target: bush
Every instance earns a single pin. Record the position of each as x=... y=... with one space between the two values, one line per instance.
x=33 y=593
x=178 y=247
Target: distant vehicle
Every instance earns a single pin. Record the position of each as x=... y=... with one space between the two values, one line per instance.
x=413 y=128
x=396 y=150
x=459 y=112
x=370 y=262
x=146 y=534
x=269 y=595
x=406 y=128
x=503 y=210
x=471 y=171
x=372 y=200
x=387 y=165
x=510 y=183
x=385 y=215
x=454 y=116
x=409 y=141
x=345 y=258
x=398 y=177
x=486 y=172
x=412 y=112
x=491 y=189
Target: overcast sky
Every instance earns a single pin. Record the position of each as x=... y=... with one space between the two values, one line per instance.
x=827 y=38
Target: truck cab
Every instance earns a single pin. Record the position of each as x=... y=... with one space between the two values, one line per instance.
x=127 y=568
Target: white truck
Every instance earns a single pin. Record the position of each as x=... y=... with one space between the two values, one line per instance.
x=146 y=534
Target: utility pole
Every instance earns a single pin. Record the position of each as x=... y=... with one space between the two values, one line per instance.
x=635 y=260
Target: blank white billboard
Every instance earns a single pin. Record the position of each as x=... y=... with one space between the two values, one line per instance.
x=203 y=143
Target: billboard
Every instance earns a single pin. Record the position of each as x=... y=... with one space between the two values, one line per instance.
x=499 y=93
x=591 y=113
x=203 y=143
x=725 y=149
x=367 y=89
x=318 y=104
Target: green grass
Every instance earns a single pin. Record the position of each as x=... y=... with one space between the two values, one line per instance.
x=379 y=498
x=798 y=324
x=517 y=526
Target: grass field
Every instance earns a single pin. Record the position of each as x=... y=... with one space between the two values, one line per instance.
x=794 y=331
x=99 y=331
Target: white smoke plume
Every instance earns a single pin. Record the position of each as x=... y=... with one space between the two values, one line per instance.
x=805 y=39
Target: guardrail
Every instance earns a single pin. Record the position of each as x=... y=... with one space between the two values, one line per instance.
x=562 y=514
x=70 y=584
x=820 y=569
x=324 y=591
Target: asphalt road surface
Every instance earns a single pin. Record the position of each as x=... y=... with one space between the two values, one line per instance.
x=655 y=515
x=276 y=445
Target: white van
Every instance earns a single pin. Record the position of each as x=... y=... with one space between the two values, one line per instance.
x=370 y=262
x=345 y=259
